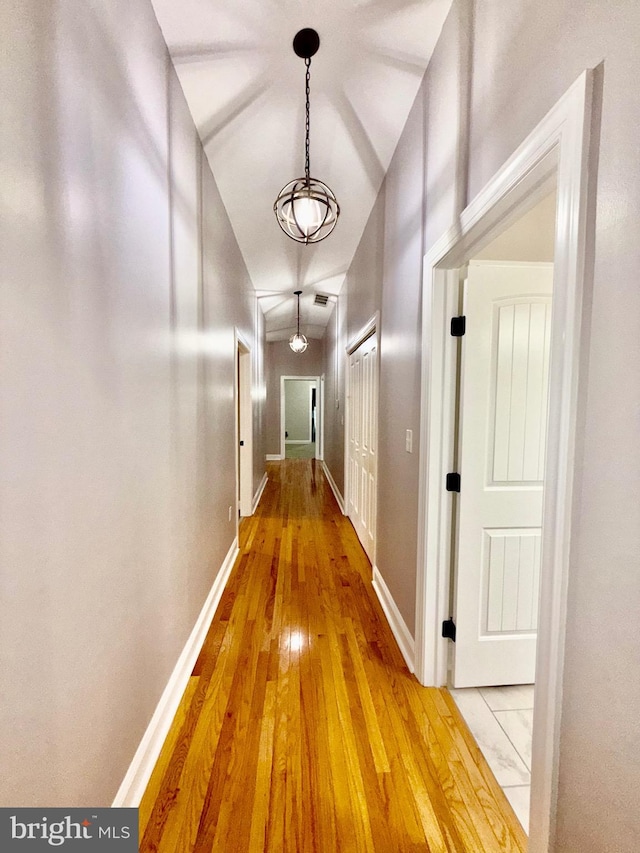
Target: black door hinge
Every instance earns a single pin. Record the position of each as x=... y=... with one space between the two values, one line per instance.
x=449 y=629
x=453 y=482
x=458 y=326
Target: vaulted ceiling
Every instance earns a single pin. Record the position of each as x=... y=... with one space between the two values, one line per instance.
x=245 y=89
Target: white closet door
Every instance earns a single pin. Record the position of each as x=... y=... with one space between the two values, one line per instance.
x=363 y=441
x=503 y=411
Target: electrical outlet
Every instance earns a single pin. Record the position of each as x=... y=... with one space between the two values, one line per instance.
x=408 y=444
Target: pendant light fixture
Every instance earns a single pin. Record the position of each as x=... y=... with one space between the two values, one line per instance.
x=298 y=342
x=306 y=209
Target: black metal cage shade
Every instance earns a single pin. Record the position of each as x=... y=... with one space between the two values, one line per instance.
x=306 y=210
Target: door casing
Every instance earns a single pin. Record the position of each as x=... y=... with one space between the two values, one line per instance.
x=319 y=412
x=244 y=426
x=556 y=152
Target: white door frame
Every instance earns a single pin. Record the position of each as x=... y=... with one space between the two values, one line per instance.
x=557 y=151
x=319 y=423
x=320 y=420
x=244 y=425
x=370 y=327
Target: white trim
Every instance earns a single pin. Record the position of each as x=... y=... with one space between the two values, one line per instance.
x=137 y=778
x=397 y=624
x=243 y=406
x=480 y=262
x=258 y=494
x=436 y=459
x=372 y=324
x=242 y=339
x=298 y=441
x=312 y=388
x=283 y=379
x=274 y=457
x=320 y=420
x=334 y=488
x=559 y=146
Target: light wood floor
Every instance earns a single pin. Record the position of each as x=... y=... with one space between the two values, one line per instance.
x=301 y=728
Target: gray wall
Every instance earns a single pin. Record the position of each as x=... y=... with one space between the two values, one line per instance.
x=280 y=360
x=117 y=309
x=498 y=68
x=385 y=276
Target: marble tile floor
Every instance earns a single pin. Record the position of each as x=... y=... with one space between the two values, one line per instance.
x=501 y=721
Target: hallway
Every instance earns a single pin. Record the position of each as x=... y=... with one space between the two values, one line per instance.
x=301 y=728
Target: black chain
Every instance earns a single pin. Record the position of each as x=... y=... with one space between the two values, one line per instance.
x=307 y=62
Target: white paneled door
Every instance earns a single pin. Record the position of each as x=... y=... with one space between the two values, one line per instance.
x=503 y=419
x=363 y=441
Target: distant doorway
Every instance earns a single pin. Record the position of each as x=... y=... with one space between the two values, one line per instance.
x=300 y=417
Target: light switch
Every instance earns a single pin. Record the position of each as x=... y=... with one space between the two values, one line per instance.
x=409 y=441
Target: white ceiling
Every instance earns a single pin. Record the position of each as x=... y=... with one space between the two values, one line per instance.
x=245 y=89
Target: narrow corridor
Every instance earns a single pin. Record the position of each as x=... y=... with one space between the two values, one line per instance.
x=301 y=728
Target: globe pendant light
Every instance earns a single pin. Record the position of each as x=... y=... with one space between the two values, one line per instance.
x=306 y=209
x=298 y=342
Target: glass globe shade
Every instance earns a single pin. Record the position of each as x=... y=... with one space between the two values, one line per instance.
x=307 y=211
x=298 y=342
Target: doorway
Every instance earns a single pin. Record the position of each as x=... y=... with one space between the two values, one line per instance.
x=503 y=372
x=301 y=417
x=244 y=429
x=556 y=153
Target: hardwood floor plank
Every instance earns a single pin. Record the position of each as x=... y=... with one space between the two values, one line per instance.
x=372 y=726
x=493 y=799
x=260 y=815
x=301 y=730
x=154 y=791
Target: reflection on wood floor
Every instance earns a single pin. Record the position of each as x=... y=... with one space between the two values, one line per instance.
x=301 y=728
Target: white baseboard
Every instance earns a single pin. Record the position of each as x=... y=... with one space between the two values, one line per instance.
x=274 y=457
x=395 y=620
x=334 y=488
x=137 y=778
x=298 y=441
x=258 y=494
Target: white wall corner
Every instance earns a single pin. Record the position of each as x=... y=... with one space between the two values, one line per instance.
x=397 y=624
x=137 y=778
x=258 y=494
x=334 y=488
x=274 y=457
